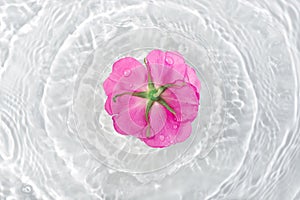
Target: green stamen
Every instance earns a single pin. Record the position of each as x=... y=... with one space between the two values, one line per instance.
x=162 y=88
x=149 y=106
x=150 y=82
x=136 y=94
x=162 y=102
x=119 y=95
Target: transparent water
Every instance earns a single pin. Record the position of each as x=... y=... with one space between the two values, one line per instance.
x=57 y=142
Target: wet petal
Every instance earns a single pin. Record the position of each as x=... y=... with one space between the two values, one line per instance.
x=173 y=132
x=108 y=104
x=166 y=135
x=166 y=67
x=128 y=75
x=128 y=71
x=184 y=101
x=157 y=119
x=176 y=61
x=175 y=129
x=137 y=110
x=184 y=132
x=129 y=115
x=109 y=85
x=118 y=129
x=156 y=57
x=161 y=63
x=193 y=79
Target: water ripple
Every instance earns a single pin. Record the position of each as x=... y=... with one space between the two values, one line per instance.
x=57 y=142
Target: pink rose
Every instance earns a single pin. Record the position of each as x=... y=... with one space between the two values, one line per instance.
x=157 y=102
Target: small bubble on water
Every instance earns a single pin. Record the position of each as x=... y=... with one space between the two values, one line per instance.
x=169 y=60
x=127 y=72
x=27 y=189
x=157 y=186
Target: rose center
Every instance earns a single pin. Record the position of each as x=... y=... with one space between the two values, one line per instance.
x=154 y=95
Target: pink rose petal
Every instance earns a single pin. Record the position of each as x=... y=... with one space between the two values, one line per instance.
x=108 y=105
x=157 y=118
x=184 y=100
x=129 y=119
x=127 y=75
x=173 y=132
x=193 y=79
x=166 y=67
x=168 y=59
x=125 y=70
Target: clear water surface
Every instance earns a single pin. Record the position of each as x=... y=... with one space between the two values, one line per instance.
x=57 y=142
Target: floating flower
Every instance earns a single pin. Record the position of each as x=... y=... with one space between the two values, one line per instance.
x=157 y=102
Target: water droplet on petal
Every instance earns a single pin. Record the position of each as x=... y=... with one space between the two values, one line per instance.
x=169 y=60
x=175 y=119
x=130 y=85
x=161 y=137
x=127 y=72
x=175 y=126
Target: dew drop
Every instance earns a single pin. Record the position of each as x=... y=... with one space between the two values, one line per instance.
x=169 y=60
x=130 y=85
x=161 y=137
x=175 y=126
x=127 y=72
